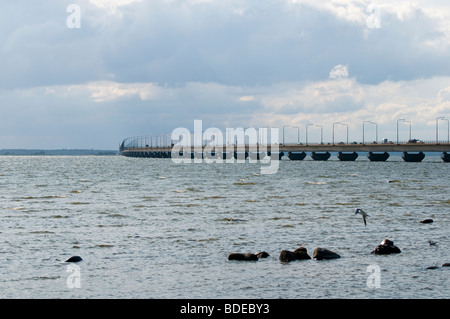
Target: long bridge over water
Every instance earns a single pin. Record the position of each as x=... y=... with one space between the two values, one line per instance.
x=411 y=151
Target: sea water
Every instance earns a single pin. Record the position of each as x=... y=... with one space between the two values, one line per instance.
x=151 y=228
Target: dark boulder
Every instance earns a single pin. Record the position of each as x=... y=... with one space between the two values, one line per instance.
x=323 y=253
x=262 y=254
x=74 y=259
x=301 y=253
x=386 y=247
x=287 y=256
x=240 y=256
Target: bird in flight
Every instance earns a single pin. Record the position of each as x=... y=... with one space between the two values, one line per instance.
x=363 y=213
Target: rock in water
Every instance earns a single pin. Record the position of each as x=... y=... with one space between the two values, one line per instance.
x=298 y=254
x=240 y=256
x=426 y=221
x=262 y=254
x=323 y=253
x=74 y=259
x=287 y=256
x=386 y=247
x=301 y=253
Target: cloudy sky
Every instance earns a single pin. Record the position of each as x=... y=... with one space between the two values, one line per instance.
x=89 y=73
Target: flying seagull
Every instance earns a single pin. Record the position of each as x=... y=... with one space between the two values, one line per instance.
x=363 y=213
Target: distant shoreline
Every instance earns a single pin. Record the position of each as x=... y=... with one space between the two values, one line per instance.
x=61 y=152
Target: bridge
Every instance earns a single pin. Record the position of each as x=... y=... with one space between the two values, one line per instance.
x=412 y=151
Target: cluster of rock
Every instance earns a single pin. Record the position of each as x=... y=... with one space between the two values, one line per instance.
x=248 y=256
x=384 y=248
x=301 y=253
x=298 y=254
x=286 y=255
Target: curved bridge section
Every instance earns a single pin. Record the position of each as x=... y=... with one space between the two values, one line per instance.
x=151 y=147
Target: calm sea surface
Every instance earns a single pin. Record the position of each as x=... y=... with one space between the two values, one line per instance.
x=150 y=228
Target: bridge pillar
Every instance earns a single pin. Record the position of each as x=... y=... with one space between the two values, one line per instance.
x=320 y=156
x=296 y=156
x=347 y=156
x=378 y=157
x=413 y=157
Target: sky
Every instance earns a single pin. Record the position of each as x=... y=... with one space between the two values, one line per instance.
x=90 y=73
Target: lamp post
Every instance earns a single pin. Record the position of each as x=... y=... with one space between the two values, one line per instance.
x=321 y=133
x=448 y=130
x=333 y=129
x=376 y=131
x=283 y=131
x=437 y=128
x=298 y=133
x=364 y=122
x=347 y=130
x=306 y=136
x=263 y=135
x=397 y=127
x=409 y=129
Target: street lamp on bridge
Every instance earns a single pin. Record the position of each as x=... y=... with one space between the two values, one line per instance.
x=347 y=130
x=306 y=136
x=399 y=120
x=298 y=133
x=321 y=133
x=376 y=130
x=437 y=129
x=409 y=129
x=333 y=129
x=283 y=131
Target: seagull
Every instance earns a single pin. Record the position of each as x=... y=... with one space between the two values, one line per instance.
x=363 y=213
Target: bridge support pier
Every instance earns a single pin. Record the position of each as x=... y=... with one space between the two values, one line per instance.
x=413 y=157
x=378 y=157
x=347 y=156
x=296 y=156
x=320 y=156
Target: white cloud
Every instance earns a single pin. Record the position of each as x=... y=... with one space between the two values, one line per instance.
x=105 y=91
x=112 y=6
x=338 y=72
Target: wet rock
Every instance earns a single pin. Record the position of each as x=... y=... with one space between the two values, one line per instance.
x=323 y=253
x=301 y=253
x=426 y=221
x=74 y=259
x=262 y=254
x=287 y=256
x=432 y=267
x=386 y=247
x=240 y=256
x=446 y=265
